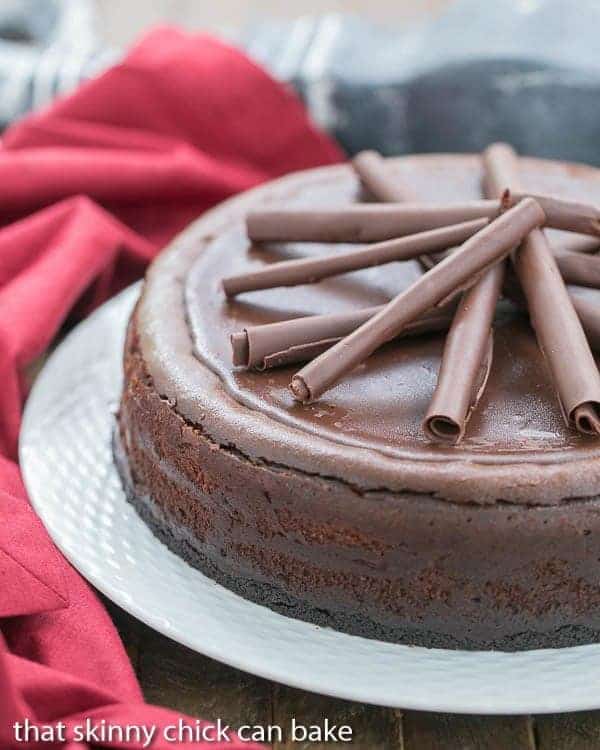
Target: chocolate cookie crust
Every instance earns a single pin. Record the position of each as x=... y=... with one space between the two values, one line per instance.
x=496 y=546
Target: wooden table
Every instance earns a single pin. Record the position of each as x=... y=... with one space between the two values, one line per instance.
x=173 y=676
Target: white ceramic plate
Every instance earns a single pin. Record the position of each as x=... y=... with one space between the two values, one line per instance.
x=67 y=464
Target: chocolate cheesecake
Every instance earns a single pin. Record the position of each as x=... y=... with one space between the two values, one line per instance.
x=343 y=511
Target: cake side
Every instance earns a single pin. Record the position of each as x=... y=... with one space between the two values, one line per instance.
x=395 y=566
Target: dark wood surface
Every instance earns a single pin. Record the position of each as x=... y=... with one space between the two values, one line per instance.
x=173 y=676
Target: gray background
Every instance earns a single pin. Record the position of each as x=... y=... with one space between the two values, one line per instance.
x=124 y=20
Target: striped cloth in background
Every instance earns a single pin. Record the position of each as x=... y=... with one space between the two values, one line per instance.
x=46 y=48
x=523 y=71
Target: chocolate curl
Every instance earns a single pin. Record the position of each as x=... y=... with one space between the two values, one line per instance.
x=558 y=329
x=301 y=339
x=561 y=213
x=372 y=171
x=374 y=222
x=576 y=243
x=310 y=270
x=461 y=380
x=587 y=306
x=466 y=362
x=475 y=256
x=587 y=419
x=363 y=222
x=576 y=268
x=585 y=300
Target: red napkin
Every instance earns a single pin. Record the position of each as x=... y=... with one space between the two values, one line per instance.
x=90 y=190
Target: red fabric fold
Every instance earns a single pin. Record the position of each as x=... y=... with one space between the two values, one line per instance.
x=90 y=190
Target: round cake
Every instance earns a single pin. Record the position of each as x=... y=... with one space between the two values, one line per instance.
x=342 y=512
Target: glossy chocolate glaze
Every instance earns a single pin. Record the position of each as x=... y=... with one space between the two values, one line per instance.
x=342 y=512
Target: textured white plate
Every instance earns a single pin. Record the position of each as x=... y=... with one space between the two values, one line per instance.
x=67 y=464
